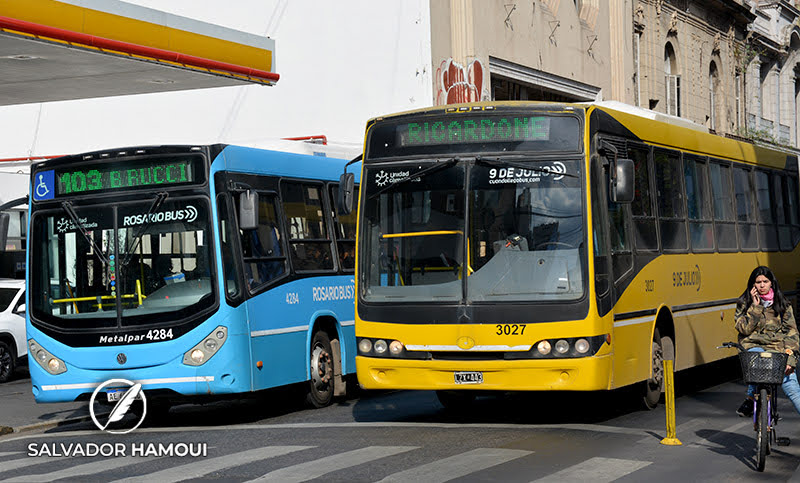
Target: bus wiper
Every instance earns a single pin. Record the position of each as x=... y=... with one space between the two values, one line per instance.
x=498 y=162
x=419 y=174
x=160 y=197
x=67 y=205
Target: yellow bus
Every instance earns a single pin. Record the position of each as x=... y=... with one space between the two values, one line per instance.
x=551 y=246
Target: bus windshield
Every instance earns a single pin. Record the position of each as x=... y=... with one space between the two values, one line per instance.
x=523 y=221
x=153 y=256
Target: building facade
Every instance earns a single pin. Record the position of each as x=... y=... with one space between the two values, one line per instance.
x=730 y=65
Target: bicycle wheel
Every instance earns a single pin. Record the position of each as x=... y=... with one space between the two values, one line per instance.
x=762 y=430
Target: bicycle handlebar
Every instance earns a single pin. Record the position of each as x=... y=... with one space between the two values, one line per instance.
x=728 y=345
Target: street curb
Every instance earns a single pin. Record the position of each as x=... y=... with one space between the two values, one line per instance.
x=44 y=425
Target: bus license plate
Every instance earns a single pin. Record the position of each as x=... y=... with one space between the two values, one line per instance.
x=468 y=377
x=115 y=395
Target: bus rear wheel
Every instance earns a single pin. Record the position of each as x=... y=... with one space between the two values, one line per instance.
x=320 y=387
x=654 y=385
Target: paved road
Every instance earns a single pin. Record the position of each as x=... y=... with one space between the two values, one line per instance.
x=407 y=436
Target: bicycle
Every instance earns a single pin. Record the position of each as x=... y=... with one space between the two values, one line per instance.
x=766 y=370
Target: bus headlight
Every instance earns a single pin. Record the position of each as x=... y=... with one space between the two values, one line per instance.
x=45 y=359
x=544 y=347
x=388 y=348
x=562 y=346
x=365 y=346
x=380 y=346
x=396 y=347
x=206 y=348
x=198 y=356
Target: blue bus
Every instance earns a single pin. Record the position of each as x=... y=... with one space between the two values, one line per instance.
x=193 y=270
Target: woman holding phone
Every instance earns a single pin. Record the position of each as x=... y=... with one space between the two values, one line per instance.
x=765 y=321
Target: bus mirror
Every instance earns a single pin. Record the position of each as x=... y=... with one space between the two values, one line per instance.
x=347 y=182
x=4 y=217
x=622 y=184
x=248 y=210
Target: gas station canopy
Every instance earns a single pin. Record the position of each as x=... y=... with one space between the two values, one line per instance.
x=56 y=50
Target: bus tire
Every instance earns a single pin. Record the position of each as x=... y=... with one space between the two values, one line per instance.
x=456 y=400
x=655 y=385
x=320 y=386
x=7 y=363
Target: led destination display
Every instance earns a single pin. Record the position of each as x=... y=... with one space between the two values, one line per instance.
x=140 y=174
x=475 y=130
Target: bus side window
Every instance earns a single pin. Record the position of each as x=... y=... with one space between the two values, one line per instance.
x=724 y=224
x=743 y=191
x=602 y=277
x=309 y=238
x=670 y=195
x=230 y=269
x=698 y=204
x=789 y=189
x=767 y=223
x=644 y=219
x=345 y=229
x=261 y=248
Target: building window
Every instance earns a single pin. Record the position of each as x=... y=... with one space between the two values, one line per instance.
x=672 y=80
x=713 y=85
x=637 y=91
x=763 y=90
x=737 y=88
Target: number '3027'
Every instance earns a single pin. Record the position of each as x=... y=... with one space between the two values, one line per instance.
x=510 y=329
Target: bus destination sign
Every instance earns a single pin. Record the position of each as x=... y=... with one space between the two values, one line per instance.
x=474 y=130
x=110 y=176
x=77 y=181
x=474 y=133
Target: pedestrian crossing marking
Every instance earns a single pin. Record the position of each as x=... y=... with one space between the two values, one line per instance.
x=84 y=469
x=457 y=466
x=200 y=467
x=596 y=470
x=322 y=466
x=22 y=463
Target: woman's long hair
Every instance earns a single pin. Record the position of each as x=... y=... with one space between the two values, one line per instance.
x=779 y=303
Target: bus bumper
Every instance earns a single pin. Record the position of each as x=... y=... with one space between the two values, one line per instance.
x=224 y=373
x=578 y=374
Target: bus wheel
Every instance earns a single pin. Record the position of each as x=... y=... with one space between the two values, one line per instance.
x=320 y=389
x=6 y=362
x=456 y=400
x=654 y=385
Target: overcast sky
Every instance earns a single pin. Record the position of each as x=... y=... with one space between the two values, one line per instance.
x=341 y=63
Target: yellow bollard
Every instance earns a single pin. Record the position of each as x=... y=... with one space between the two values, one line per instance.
x=669 y=399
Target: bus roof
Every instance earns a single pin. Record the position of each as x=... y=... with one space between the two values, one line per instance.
x=281 y=163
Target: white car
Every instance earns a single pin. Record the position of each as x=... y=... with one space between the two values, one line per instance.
x=13 y=346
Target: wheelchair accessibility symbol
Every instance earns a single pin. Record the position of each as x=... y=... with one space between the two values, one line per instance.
x=43 y=189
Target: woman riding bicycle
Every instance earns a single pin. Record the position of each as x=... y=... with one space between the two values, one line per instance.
x=765 y=321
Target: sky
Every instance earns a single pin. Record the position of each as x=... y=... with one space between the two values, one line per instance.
x=341 y=63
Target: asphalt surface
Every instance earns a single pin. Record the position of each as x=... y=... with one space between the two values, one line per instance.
x=19 y=411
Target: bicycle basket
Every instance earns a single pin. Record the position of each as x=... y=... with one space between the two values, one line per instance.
x=763 y=367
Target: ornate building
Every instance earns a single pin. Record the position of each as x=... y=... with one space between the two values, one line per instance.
x=731 y=65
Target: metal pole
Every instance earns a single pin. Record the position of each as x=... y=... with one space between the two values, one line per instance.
x=669 y=399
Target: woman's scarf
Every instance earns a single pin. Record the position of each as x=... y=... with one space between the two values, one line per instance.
x=768 y=298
